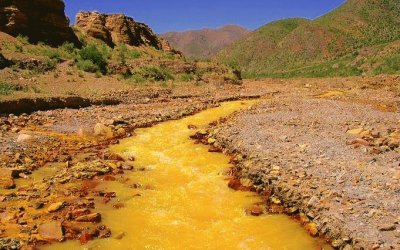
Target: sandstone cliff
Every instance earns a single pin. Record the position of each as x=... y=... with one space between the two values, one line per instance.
x=118 y=28
x=39 y=20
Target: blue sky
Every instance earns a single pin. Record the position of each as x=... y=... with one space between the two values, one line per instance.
x=179 y=15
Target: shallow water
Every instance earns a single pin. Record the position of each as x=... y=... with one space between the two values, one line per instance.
x=184 y=200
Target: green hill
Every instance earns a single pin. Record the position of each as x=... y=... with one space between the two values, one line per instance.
x=359 y=37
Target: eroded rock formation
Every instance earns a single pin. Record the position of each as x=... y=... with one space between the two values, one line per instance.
x=39 y=20
x=118 y=28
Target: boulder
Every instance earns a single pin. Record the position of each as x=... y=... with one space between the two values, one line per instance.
x=102 y=130
x=7 y=178
x=39 y=20
x=24 y=138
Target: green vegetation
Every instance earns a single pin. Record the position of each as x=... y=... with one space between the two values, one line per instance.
x=156 y=73
x=391 y=65
x=131 y=64
x=6 y=88
x=185 y=77
x=340 y=43
x=68 y=48
x=122 y=51
x=23 y=39
x=134 y=54
x=92 y=59
x=87 y=66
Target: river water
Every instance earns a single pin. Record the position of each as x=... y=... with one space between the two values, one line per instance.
x=182 y=201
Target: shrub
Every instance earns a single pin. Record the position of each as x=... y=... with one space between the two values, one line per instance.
x=122 y=51
x=18 y=48
x=53 y=54
x=137 y=78
x=156 y=73
x=134 y=54
x=390 y=66
x=68 y=47
x=168 y=55
x=90 y=58
x=87 y=66
x=187 y=77
x=23 y=39
x=6 y=88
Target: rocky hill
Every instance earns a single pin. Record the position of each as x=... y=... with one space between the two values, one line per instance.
x=205 y=43
x=40 y=20
x=359 y=37
x=115 y=29
x=44 y=59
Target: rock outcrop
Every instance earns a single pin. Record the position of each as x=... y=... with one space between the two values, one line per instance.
x=4 y=62
x=39 y=20
x=118 y=28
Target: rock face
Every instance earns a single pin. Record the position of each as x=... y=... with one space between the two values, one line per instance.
x=118 y=28
x=39 y=20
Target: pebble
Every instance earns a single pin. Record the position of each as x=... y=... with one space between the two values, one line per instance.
x=24 y=138
x=312 y=229
x=120 y=235
x=255 y=210
x=94 y=217
x=55 y=207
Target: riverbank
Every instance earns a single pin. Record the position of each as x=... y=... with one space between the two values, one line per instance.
x=65 y=149
x=50 y=158
x=328 y=155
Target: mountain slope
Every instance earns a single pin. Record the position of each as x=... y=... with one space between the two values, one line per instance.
x=205 y=43
x=353 y=39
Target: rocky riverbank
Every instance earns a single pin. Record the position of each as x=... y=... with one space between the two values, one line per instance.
x=52 y=161
x=330 y=157
x=314 y=145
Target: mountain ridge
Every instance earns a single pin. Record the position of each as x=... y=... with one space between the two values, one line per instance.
x=205 y=43
x=343 y=42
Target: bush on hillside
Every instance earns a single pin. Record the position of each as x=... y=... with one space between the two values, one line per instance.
x=87 y=66
x=6 y=88
x=68 y=47
x=185 y=77
x=134 y=54
x=122 y=52
x=91 y=58
x=390 y=66
x=156 y=73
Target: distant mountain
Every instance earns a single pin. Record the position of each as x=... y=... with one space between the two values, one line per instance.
x=205 y=43
x=359 y=37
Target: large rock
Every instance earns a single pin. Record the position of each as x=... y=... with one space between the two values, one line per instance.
x=118 y=28
x=39 y=20
x=51 y=231
x=7 y=178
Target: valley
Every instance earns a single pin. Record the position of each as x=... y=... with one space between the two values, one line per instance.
x=115 y=137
